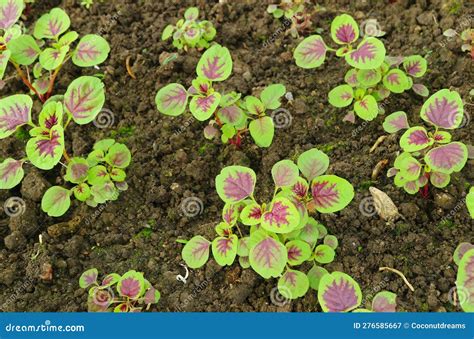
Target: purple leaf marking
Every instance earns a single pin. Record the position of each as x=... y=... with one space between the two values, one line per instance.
x=345 y=33
x=231 y=113
x=382 y=304
x=205 y=103
x=418 y=137
x=300 y=190
x=442 y=113
x=277 y=215
x=54 y=26
x=87 y=51
x=47 y=146
x=394 y=78
x=366 y=51
x=224 y=245
x=15 y=116
x=51 y=121
x=313 y=50
x=400 y=122
x=176 y=97
x=79 y=170
x=9 y=15
x=324 y=194
x=130 y=287
x=90 y=278
x=213 y=70
x=10 y=170
x=447 y=158
x=340 y=297
x=77 y=106
x=267 y=252
x=413 y=67
x=290 y=277
x=294 y=252
x=201 y=249
x=229 y=215
x=238 y=187
x=256 y=213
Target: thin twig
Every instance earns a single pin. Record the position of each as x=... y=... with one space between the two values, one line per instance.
x=129 y=68
x=400 y=274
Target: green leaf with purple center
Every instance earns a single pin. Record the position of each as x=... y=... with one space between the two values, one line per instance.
x=172 y=99
x=281 y=217
x=51 y=25
x=338 y=292
x=224 y=249
x=56 y=201
x=91 y=50
x=84 y=99
x=311 y=52
x=293 y=284
x=196 y=252
x=268 y=257
x=45 y=151
x=24 y=50
x=15 y=111
x=235 y=183
x=11 y=173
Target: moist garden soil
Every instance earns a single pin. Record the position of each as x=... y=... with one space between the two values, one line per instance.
x=173 y=161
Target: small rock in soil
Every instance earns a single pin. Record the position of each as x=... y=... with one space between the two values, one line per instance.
x=444 y=200
x=34 y=186
x=26 y=223
x=14 y=240
x=409 y=210
x=425 y=18
x=7 y=276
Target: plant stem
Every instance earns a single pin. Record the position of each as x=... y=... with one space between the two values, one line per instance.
x=52 y=79
x=26 y=82
x=238 y=229
x=66 y=156
x=67 y=122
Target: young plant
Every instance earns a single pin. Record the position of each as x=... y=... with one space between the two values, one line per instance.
x=467 y=38
x=88 y=3
x=233 y=115
x=373 y=76
x=294 y=10
x=464 y=258
x=134 y=292
x=190 y=32
x=97 y=178
x=429 y=155
x=279 y=235
x=47 y=50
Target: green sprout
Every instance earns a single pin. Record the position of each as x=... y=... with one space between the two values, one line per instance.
x=190 y=32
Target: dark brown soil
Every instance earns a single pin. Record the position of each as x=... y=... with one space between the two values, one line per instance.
x=172 y=161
